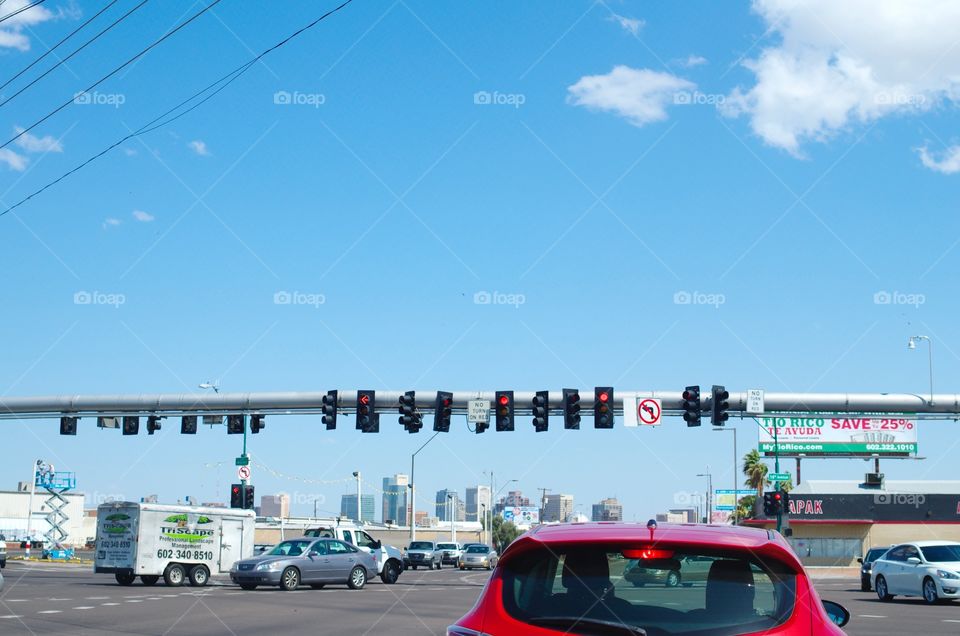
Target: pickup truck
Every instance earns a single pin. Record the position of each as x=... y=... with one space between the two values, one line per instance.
x=389 y=559
x=423 y=554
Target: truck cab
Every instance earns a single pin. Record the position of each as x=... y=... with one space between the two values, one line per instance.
x=389 y=559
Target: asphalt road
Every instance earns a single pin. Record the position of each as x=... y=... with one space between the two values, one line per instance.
x=61 y=599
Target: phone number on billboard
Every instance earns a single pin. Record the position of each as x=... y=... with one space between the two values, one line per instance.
x=891 y=447
x=196 y=555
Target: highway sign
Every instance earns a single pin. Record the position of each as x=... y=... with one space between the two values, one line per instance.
x=755 y=401
x=243 y=472
x=648 y=411
x=478 y=411
x=727 y=499
x=779 y=476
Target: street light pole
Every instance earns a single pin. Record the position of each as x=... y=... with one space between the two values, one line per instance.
x=736 y=502
x=912 y=344
x=359 y=505
x=450 y=513
x=709 y=477
x=413 y=490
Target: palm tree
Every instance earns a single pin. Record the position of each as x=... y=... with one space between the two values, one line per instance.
x=755 y=471
x=745 y=507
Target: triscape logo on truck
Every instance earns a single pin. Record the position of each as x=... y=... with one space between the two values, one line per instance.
x=184 y=527
x=115 y=524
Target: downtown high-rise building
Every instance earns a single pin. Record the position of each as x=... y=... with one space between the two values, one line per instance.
x=394 y=504
x=477 y=503
x=450 y=506
x=557 y=508
x=348 y=507
x=607 y=510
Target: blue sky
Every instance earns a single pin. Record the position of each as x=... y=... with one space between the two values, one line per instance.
x=591 y=159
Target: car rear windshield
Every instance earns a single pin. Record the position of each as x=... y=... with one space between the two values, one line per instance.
x=580 y=588
x=874 y=554
x=446 y=546
x=421 y=545
x=941 y=553
x=477 y=549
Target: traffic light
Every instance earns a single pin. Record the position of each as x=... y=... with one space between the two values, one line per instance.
x=68 y=425
x=603 y=407
x=691 y=405
x=248 y=497
x=785 y=501
x=442 y=410
x=330 y=410
x=365 y=404
x=411 y=419
x=772 y=502
x=719 y=405
x=256 y=423
x=503 y=402
x=153 y=424
x=541 y=411
x=131 y=425
x=188 y=425
x=235 y=424
x=571 y=408
x=236 y=496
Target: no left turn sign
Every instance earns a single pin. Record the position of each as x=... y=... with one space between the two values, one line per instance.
x=648 y=411
x=243 y=472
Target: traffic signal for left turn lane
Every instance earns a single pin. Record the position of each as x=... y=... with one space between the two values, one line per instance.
x=442 y=411
x=248 y=497
x=236 y=496
x=365 y=404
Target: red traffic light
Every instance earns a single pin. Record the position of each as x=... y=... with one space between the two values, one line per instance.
x=603 y=397
x=504 y=400
x=778 y=496
x=364 y=398
x=236 y=489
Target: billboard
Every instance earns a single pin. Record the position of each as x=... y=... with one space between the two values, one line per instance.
x=727 y=499
x=852 y=436
x=522 y=515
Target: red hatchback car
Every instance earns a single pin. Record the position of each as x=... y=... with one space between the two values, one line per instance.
x=568 y=579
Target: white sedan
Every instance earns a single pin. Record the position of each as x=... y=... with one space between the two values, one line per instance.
x=929 y=569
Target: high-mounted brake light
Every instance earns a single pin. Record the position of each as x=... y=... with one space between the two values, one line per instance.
x=647 y=553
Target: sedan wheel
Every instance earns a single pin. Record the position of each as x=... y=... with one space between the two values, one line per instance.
x=358 y=578
x=290 y=579
x=930 y=592
x=882 y=593
x=673 y=579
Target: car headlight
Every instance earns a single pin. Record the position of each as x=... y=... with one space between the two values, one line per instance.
x=273 y=565
x=947 y=574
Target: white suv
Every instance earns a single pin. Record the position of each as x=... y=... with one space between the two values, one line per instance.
x=929 y=569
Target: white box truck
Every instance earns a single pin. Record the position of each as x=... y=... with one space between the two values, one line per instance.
x=178 y=543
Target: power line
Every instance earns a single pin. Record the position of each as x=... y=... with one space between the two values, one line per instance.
x=168 y=116
x=64 y=60
x=54 y=47
x=21 y=10
x=111 y=73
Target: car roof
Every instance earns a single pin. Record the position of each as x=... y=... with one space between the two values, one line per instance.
x=924 y=544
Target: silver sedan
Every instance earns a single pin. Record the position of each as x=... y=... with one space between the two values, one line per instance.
x=309 y=560
x=478 y=556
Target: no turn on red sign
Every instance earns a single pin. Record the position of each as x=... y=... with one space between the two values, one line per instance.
x=641 y=411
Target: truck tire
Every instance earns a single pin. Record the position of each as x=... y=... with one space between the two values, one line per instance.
x=290 y=579
x=149 y=579
x=391 y=572
x=174 y=575
x=199 y=575
x=358 y=578
x=125 y=578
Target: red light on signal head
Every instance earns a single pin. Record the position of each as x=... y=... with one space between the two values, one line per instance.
x=647 y=553
x=236 y=489
x=504 y=400
x=364 y=398
x=778 y=496
x=603 y=396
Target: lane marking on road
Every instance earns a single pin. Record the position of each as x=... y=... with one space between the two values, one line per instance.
x=49 y=612
x=17 y=600
x=97 y=598
x=109 y=604
x=154 y=598
x=61 y=599
x=134 y=601
x=951 y=620
x=12 y=616
x=869 y=616
x=84 y=607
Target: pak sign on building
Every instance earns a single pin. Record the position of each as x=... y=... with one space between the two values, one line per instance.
x=839 y=436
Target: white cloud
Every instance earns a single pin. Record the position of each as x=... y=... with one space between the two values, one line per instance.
x=947 y=163
x=630 y=25
x=111 y=222
x=839 y=64
x=641 y=96
x=11 y=35
x=31 y=143
x=199 y=147
x=693 y=60
x=14 y=161
x=143 y=217
x=130 y=152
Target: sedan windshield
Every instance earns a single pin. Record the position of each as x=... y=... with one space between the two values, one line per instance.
x=421 y=545
x=683 y=592
x=941 y=553
x=477 y=549
x=290 y=548
x=446 y=546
